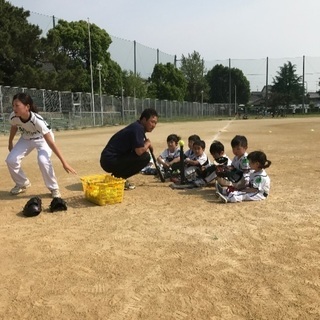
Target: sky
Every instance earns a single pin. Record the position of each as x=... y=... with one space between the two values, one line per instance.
x=216 y=29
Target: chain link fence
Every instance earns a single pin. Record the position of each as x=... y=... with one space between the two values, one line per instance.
x=74 y=110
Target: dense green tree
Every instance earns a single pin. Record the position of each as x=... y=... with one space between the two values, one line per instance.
x=218 y=81
x=113 y=78
x=193 y=70
x=167 y=83
x=287 y=87
x=19 y=48
x=134 y=85
x=67 y=52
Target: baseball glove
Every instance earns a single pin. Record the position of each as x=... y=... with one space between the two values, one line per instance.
x=58 y=204
x=33 y=207
x=233 y=175
x=222 y=160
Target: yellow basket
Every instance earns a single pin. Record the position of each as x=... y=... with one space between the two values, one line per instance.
x=103 y=189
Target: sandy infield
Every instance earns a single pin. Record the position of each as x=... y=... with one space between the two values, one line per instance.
x=163 y=253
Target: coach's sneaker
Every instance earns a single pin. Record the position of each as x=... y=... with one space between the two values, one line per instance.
x=128 y=185
x=19 y=189
x=55 y=193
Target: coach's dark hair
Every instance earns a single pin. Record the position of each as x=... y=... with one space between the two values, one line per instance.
x=260 y=157
x=194 y=137
x=239 y=141
x=173 y=137
x=200 y=143
x=148 y=113
x=26 y=100
x=216 y=147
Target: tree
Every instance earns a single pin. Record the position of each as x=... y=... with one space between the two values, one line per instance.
x=167 y=83
x=193 y=70
x=19 y=47
x=287 y=87
x=218 y=81
x=134 y=85
x=67 y=52
x=112 y=83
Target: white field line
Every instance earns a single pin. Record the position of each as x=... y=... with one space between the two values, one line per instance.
x=216 y=136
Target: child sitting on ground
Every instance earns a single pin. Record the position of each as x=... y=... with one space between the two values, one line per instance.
x=170 y=157
x=240 y=161
x=259 y=181
x=189 y=153
x=221 y=160
x=198 y=160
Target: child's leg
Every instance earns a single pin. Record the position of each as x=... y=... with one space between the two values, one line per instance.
x=238 y=196
x=21 y=149
x=45 y=165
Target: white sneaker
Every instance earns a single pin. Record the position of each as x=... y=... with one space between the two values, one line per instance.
x=55 y=193
x=221 y=189
x=222 y=197
x=18 y=189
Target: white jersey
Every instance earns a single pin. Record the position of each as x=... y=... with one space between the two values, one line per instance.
x=189 y=154
x=203 y=159
x=241 y=163
x=34 y=128
x=261 y=181
x=169 y=156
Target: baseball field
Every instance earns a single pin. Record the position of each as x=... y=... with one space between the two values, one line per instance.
x=163 y=253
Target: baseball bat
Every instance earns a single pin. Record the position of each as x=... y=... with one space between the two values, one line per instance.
x=160 y=173
x=182 y=175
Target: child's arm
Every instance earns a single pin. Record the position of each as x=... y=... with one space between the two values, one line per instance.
x=13 y=131
x=163 y=162
x=54 y=148
x=191 y=162
x=174 y=160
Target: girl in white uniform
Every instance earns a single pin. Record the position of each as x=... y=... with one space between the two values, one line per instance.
x=259 y=181
x=35 y=134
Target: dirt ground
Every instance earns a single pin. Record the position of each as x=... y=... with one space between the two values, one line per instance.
x=163 y=253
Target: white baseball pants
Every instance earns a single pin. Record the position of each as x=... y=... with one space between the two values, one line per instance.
x=21 y=149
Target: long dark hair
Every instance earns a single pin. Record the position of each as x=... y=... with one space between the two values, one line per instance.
x=26 y=100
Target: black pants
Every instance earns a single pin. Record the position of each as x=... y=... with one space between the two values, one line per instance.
x=126 y=165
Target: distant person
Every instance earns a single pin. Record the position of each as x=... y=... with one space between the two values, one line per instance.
x=127 y=152
x=35 y=134
x=259 y=181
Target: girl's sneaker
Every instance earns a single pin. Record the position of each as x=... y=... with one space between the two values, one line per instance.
x=19 y=189
x=55 y=193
